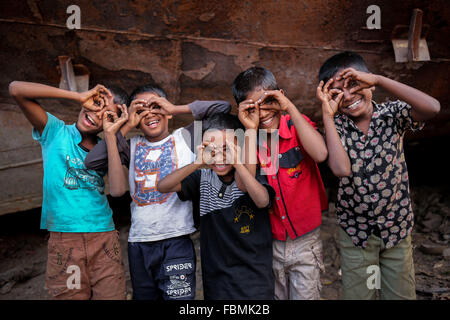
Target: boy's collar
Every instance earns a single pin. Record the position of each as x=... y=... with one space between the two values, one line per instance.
x=375 y=113
x=161 y=140
x=156 y=143
x=283 y=131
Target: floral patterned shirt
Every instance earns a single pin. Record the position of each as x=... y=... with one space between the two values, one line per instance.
x=375 y=197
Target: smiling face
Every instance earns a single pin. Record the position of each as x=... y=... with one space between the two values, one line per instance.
x=91 y=122
x=269 y=119
x=357 y=105
x=155 y=126
x=217 y=151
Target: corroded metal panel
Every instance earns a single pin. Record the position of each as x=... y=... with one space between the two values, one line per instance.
x=194 y=49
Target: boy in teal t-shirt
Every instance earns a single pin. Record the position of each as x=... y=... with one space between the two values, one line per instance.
x=84 y=256
x=80 y=204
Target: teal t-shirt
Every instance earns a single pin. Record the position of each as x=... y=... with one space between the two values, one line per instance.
x=73 y=197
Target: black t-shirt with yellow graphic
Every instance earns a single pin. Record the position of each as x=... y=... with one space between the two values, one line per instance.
x=235 y=238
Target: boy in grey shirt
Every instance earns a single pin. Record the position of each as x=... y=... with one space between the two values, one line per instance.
x=160 y=252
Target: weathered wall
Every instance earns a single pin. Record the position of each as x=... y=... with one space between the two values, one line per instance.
x=194 y=49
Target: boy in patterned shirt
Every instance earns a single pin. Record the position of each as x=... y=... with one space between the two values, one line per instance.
x=365 y=145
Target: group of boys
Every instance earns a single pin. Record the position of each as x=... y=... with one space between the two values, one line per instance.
x=258 y=205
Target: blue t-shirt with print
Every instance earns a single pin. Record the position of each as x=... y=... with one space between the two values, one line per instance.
x=73 y=196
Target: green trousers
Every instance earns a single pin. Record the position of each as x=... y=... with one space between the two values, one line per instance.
x=375 y=268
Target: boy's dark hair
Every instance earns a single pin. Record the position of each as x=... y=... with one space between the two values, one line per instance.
x=120 y=95
x=150 y=87
x=222 y=121
x=250 y=79
x=341 y=61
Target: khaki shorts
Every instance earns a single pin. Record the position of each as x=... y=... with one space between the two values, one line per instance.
x=296 y=267
x=84 y=266
x=375 y=268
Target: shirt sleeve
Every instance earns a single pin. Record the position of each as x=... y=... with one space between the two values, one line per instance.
x=190 y=187
x=402 y=114
x=97 y=158
x=202 y=110
x=263 y=180
x=51 y=130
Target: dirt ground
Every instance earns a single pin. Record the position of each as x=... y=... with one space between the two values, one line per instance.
x=23 y=250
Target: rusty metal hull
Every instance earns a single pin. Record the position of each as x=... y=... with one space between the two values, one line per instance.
x=194 y=49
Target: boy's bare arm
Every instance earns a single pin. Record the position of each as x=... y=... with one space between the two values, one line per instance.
x=245 y=179
x=167 y=107
x=311 y=139
x=248 y=114
x=250 y=152
x=172 y=182
x=116 y=174
x=25 y=94
x=338 y=159
x=423 y=106
x=250 y=160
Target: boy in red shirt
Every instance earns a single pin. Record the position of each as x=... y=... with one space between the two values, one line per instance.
x=292 y=172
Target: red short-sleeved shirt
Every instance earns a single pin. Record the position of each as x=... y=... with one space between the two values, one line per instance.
x=300 y=193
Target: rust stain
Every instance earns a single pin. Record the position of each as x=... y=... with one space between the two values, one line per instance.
x=200 y=73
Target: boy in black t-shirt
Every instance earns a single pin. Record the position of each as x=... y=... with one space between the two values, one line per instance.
x=235 y=237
